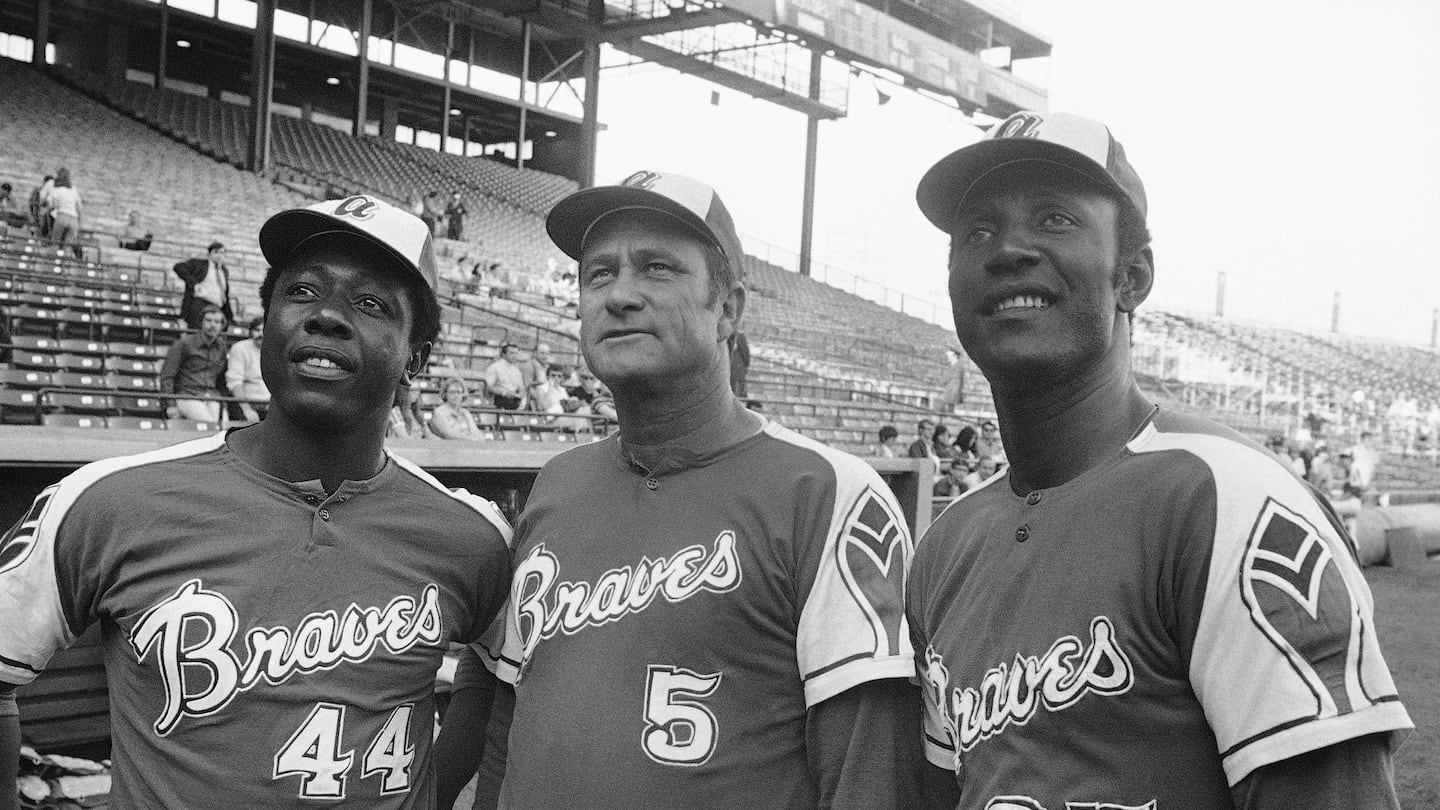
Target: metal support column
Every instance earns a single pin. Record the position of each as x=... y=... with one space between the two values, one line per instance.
x=164 y=53
x=590 y=123
x=262 y=71
x=42 y=33
x=524 y=97
x=362 y=70
x=812 y=145
x=445 y=113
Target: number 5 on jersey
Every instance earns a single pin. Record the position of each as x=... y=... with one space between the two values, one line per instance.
x=679 y=729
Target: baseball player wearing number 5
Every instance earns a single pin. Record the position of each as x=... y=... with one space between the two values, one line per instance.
x=275 y=600
x=1145 y=611
x=707 y=609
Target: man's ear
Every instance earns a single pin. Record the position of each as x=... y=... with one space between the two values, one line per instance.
x=417 y=363
x=1134 y=279
x=732 y=308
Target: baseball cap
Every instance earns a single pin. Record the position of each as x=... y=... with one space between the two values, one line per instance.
x=401 y=235
x=693 y=203
x=1064 y=139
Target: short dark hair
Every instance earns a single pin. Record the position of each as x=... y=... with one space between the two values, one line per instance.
x=209 y=308
x=556 y=368
x=425 y=327
x=214 y=246
x=888 y=432
x=255 y=321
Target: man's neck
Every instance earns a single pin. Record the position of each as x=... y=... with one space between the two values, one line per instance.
x=654 y=429
x=1056 y=434
x=280 y=447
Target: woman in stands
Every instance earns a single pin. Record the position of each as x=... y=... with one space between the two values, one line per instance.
x=451 y=419
x=66 y=206
x=965 y=451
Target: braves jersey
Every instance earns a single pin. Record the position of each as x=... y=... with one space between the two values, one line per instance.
x=665 y=635
x=263 y=641
x=1145 y=635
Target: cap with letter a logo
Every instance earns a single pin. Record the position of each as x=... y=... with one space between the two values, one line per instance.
x=1063 y=139
x=693 y=203
x=401 y=235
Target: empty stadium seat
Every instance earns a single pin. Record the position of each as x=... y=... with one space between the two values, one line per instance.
x=72 y=420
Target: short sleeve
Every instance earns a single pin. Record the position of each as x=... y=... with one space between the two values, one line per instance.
x=30 y=591
x=1285 y=658
x=852 y=626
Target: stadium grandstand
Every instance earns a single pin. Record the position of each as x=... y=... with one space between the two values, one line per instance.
x=144 y=124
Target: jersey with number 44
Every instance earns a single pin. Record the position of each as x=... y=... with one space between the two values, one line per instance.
x=1146 y=635
x=667 y=634
x=266 y=644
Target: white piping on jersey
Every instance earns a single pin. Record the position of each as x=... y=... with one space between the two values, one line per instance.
x=486 y=508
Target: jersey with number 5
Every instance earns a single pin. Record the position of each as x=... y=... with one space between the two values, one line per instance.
x=666 y=634
x=266 y=644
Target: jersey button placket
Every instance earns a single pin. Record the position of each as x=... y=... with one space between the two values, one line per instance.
x=1023 y=533
x=651 y=484
x=1033 y=498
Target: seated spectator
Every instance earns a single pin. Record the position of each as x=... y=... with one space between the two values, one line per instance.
x=984 y=469
x=451 y=419
x=889 y=439
x=195 y=366
x=506 y=380
x=942 y=443
x=964 y=447
x=951 y=483
x=10 y=214
x=924 y=445
x=989 y=443
x=242 y=374
x=536 y=367
x=136 y=236
x=405 y=419
x=550 y=395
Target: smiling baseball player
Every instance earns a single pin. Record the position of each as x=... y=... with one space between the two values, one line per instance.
x=275 y=600
x=1145 y=611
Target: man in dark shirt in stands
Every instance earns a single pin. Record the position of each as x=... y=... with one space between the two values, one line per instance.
x=920 y=448
x=196 y=366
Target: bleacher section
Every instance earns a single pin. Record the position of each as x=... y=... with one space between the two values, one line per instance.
x=505 y=205
x=827 y=363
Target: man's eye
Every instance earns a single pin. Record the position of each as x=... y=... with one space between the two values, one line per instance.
x=976 y=235
x=372 y=304
x=658 y=266
x=299 y=289
x=593 y=274
x=1058 y=220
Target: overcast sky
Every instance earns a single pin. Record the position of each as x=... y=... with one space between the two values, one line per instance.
x=1289 y=144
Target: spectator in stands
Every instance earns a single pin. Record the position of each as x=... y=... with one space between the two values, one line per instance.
x=535 y=367
x=924 y=445
x=505 y=380
x=406 y=422
x=550 y=396
x=432 y=214
x=195 y=367
x=951 y=483
x=1366 y=458
x=242 y=373
x=942 y=443
x=10 y=214
x=739 y=363
x=40 y=207
x=137 y=235
x=989 y=443
x=207 y=284
x=1322 y=469
x=965 y=450
x=953 y=394
x=67 y=212
x=455 y=217
x=889 y=439
x=451 y=419
x=984 y=468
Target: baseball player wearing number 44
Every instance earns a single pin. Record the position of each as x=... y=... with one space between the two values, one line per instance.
x=1145 y=611
x=275 y=600
x=707 y=609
